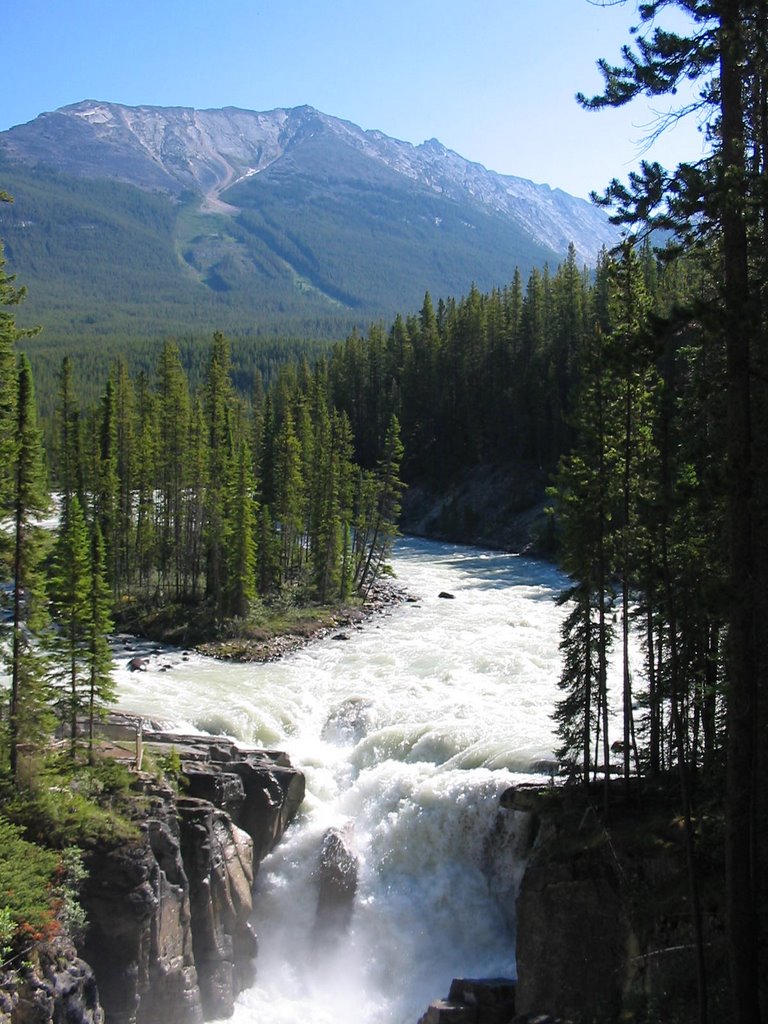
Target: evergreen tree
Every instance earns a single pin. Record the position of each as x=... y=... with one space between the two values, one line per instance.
x=218 y=410
x=585 y=492
x=28 y=699
x=241 y=548
x=289 y=496
x=71 y=588
x=173 y=427
x=97 y=656
x=69 y=454
x=126 y=456
x=388 y=490
x=723 y=197
x=10 y=333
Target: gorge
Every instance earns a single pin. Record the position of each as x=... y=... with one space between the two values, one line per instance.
x=408 y=730
x=420 y=843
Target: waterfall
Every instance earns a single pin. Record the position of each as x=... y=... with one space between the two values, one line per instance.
x=408 y=733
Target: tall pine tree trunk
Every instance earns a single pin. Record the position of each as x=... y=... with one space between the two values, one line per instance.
x=741 y=783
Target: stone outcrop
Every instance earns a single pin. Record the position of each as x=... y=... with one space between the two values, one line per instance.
x=573 y=934
x=474 y=1001
x=598 y=916
x=170 y=940
x=54 y=986
x=603 y=917
x=337 y=884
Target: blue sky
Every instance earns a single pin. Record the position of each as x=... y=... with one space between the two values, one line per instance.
x=492 y=79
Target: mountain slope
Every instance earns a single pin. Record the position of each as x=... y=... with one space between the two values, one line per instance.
x=139 y=221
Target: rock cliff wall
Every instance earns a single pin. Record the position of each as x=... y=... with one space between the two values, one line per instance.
x=169 y=938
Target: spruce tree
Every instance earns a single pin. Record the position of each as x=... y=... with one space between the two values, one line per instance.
x=241 y=547
x=97 y=656
x=28 y=699
x=71 y=590
x=722 y=198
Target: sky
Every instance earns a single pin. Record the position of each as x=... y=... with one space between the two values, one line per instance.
x=493 y=80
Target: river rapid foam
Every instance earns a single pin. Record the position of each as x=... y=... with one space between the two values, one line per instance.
x=408 y=732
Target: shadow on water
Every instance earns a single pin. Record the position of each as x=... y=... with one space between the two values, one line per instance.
x=490 y=570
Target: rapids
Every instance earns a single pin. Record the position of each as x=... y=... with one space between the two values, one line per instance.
x=407 y=732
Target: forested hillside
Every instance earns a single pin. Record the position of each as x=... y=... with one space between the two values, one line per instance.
x=288 y=224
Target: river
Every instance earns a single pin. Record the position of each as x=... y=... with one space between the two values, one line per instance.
x=408 y=731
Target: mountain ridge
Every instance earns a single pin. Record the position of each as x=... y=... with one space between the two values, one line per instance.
x=134 y=224
x=214 y=149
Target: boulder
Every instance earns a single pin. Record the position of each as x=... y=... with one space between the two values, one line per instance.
x=348 y=722
x=273 y=794
x=337 y=874
x=494 y=998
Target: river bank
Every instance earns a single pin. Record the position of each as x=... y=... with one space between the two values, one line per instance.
x=268 y=635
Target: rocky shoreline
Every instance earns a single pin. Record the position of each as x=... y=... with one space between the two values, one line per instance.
x=385 y=595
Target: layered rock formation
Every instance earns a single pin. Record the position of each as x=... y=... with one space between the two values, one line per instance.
x=604 y=925
x=170 y=939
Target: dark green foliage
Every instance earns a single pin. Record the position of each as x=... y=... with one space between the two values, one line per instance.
x=699 y=535
x=292 y=265
x=27 y=875
x=29 y=499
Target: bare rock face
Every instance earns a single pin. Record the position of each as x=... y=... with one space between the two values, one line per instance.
x=603 y=914
x=273 y=794
x=53 y=987
x=169 y=939
x=218 y=858
x=573 y=936
x=140 y=942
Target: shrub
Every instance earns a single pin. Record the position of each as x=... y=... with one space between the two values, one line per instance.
x=28 y=902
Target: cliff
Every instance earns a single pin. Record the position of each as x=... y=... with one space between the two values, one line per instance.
x=500 y=507
x=604 y=924
x=169 y=939
x=598 y=910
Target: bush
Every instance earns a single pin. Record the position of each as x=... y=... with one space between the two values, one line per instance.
x=75 y=807
x=28 y=902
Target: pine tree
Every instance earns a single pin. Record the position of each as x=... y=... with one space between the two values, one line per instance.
x=28 y=701
x=585 y=495
x=218 y=411
x=722 y=197
x=289 y=497
x=173 y=426
x=71 y=588
x=126 y=459
x=106 y=499
x=10 y=333
x=382 y=530
x=97 y=656
x=241 y=548
x=69 y=454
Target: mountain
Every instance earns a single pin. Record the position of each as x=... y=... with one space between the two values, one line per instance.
x=139 y=221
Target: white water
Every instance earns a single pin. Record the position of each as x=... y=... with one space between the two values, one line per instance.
x=408 y=732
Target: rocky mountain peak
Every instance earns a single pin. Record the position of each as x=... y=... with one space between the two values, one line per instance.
x=180 y=149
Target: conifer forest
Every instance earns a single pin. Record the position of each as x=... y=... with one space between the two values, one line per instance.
x=636 y=393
